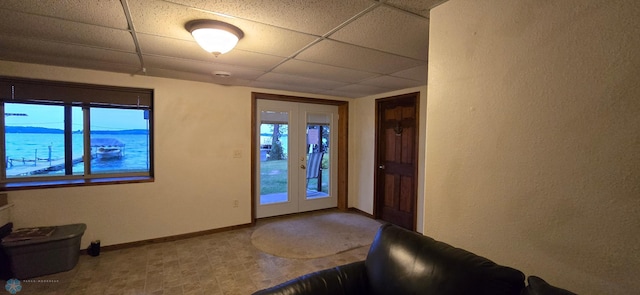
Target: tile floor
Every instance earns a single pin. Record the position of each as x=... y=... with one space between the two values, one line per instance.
x=222 y=263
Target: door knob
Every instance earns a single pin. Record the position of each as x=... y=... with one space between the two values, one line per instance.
x=303 y=167
x=381 y=166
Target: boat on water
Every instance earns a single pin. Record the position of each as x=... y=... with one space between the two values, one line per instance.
x=109 y=153
x=107 y=148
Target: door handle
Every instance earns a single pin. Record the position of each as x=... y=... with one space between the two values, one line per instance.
x=381 y=166
x=303 y=167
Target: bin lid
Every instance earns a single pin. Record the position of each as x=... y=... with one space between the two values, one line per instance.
x=61 y=232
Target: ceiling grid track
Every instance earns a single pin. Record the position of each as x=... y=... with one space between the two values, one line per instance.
x=409 y=13
x=132 y=30
x=341 y=48
x=325 y=36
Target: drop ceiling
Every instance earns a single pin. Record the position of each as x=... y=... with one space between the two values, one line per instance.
x=346 y=48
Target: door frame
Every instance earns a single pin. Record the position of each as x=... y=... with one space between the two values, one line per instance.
x=377 y=204
x=343 y=145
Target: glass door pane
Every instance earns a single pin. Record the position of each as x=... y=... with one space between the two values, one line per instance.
x=274 y=168
x=318 y=159
x=318 y=150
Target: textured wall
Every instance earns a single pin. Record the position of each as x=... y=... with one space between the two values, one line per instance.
x=196 y=177
x=198 y=129
x=533 y=140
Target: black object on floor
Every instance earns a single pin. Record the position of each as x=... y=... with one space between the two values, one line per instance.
x=94 y=248
x=5 y=267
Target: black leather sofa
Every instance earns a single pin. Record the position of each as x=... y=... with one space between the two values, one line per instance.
x=404 y=262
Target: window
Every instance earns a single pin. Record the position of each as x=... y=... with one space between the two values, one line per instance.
x=61 y=134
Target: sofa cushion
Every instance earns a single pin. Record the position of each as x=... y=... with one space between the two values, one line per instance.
x=538 y=286
x=405 y=262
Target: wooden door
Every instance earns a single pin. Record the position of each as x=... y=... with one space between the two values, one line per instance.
x=396 y=160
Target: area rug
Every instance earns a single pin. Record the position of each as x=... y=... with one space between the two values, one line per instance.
x=314 y=236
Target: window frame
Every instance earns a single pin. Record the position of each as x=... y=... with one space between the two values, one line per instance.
x=69 y=95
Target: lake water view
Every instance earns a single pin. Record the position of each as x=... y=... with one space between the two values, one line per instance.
x=28 y=146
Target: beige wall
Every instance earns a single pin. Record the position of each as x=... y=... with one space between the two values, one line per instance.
x=196 y=177
x=362 y=151
x=534 y=137
x=198 y=127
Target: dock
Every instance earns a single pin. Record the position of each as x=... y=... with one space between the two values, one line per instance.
x=39 y=167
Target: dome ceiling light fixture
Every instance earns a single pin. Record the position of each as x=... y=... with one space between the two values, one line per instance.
x=214 y=36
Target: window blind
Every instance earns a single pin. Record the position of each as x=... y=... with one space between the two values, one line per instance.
x=20 y=90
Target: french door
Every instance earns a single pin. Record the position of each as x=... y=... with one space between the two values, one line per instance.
x=297 y=163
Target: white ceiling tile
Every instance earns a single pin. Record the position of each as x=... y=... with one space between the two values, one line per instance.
x=344 y=55
x=191 y=66
x=393 y=83
x=162 y=18
x=418 y=73
x=46 y=28
x=28 y=57
x=287 y=87
x=108 y=13
x=199 y=67
x=271 y=40
x=314 y=70
x=190 y=50
x=313 y=17
x=175 y=74
x=237 y=72
x=358 y=90
x=378 y=46
x=389 y=30
x=151 y=44
x=421 y=7
x=231 y=81
x=300 y=81
x=248 y=59
x=343 y=94
x=168 y=19
x=81 y=55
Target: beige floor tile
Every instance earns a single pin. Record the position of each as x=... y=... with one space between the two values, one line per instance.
x=224 y=263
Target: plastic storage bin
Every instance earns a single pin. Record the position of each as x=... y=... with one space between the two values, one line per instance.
x=46 y=255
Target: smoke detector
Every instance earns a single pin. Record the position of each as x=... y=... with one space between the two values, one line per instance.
x=221 y=74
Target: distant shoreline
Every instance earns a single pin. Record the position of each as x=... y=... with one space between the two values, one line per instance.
x=43 y=130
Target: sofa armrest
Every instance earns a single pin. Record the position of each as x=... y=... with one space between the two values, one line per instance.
x=345 y=279
x=405 y=262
